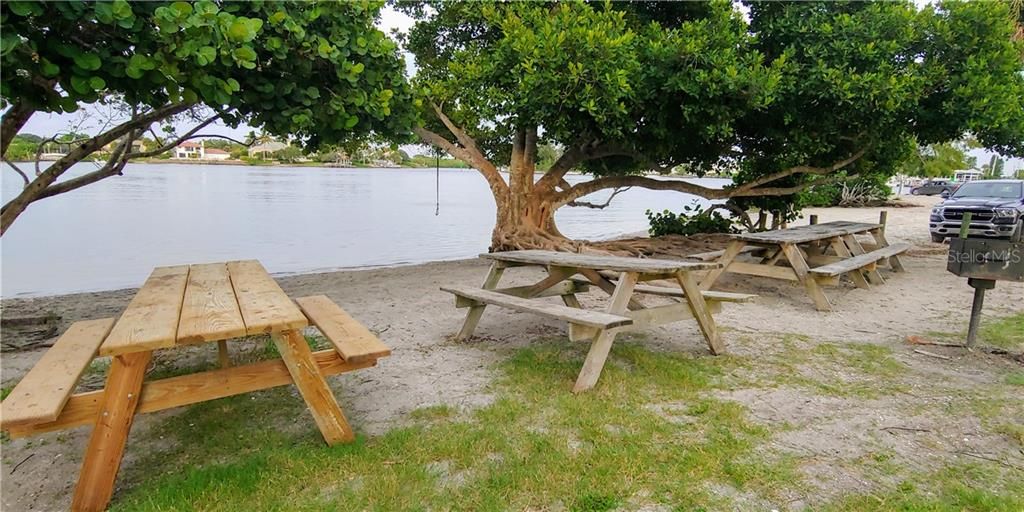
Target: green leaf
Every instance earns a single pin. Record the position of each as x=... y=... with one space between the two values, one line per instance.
x=24 y=9
x=241 y=31
x=104 y=12
x=182 y=9
x=121 y=9
x=277 y=17
x=358 y=68
x=351 y=122
x=88 y=61
x=312 y=92
x=206 y=55
x=233 y=84
x=244 y=54
x=97 y=83
x=47 y=68
x=81 y=85
x=142 y=62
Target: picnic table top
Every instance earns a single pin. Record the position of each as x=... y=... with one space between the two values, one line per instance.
x=808 y=233
x=599 y=262
x=200 y=303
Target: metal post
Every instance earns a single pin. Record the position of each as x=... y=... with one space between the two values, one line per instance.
x=814 y=219
x=979 y=285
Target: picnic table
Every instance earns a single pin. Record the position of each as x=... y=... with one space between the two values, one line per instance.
x=178 y=306
x=814 y=255
x=619 y=277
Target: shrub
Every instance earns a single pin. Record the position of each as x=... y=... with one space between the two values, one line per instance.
x=693 y=219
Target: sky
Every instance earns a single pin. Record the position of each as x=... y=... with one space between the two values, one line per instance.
x=390 y=19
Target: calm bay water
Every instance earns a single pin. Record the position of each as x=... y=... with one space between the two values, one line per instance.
x=111 y=234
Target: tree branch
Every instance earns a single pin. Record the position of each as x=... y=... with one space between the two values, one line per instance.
x=602 y=206
x=13 y=208
x=12 y=121
x=113 y=167
x=477 y=158
x=800 y=169
x=498 y=186
x=589 y=187
x=577 y=154
x=171 y=145
x=17 y=170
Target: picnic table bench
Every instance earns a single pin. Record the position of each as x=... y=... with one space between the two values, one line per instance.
x=814 y=255
x=177 y=306
x=619 y=277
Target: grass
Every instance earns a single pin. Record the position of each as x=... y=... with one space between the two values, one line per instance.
x=536 y=446
x=653 y=432
x=1002 y=332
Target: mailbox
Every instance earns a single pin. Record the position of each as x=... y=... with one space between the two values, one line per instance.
x=983 y=262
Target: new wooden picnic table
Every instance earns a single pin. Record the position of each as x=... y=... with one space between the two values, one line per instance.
x=619 y=277
x=179 y=306
x=814 y=255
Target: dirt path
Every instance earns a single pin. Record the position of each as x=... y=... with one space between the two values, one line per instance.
x=411 y=315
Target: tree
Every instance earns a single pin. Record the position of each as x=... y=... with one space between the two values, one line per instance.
x=318 y=72
x=938 y=160
x=634 y=89
x=993 y=170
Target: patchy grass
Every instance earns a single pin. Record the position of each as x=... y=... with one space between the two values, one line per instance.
x=1015 y=378
x=653 y=432
x=536 y=446
x=1002 y=332
x=6 y=390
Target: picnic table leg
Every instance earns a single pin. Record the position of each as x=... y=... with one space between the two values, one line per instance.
x=799 y=264
x=894 y=261
x=222 y=354
x=110 y=433
x=851 y=242
x=475 y=312
x=701 y=313
x=843 y=252
x=609 y=287
x=314 y=389
x=602 y=344
x=731 y=251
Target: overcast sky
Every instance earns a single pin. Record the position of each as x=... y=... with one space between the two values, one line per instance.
x=45 y=124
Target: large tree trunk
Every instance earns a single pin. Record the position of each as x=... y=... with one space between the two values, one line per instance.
x=526 y=216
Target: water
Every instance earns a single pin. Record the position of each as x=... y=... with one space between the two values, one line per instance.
x=111 y=234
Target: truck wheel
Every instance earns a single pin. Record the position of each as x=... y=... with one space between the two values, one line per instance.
x=938 y=238
x=915 y=192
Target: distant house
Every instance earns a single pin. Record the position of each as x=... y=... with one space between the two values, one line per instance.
x=266 y=149
x=215 y=154
x=189 y=150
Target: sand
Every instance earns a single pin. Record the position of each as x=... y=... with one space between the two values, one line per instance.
x=404 y=306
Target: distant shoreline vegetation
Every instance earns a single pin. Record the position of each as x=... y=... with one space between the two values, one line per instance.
x=414 y=163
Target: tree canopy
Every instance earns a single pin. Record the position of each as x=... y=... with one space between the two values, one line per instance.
x=782 y=101
x=318 y=72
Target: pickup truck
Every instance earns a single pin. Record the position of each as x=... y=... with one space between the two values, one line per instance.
x=996 y=206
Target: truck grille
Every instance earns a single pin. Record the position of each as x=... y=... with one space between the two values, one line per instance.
x=976 y=215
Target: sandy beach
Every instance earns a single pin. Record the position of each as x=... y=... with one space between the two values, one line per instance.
x=405 y=308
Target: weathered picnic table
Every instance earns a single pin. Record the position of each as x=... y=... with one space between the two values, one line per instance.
x=179 y=306
x=814 y=255
x=619 y=277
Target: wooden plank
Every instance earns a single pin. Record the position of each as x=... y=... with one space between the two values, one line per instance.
x=558 y=311
x=808 y=233
x=191 y=389
x=880 y=241
x=602 y=345
x=106 y=444
x=475 y=312
x=598 y=262
x=46 y=388
x=714 y=255
x=860 y=261
x=799 y=267
x=351 y=339
x=870 y=272
x=560 y=289
x=602 y=280
x=265 y=307
x=314 y=389
x=844 y=254
x=151 y=319
x=701 y=312
x=710 y=295
x=756 y=269
x=659 y=315
x=209 y=311
x=727 y=258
